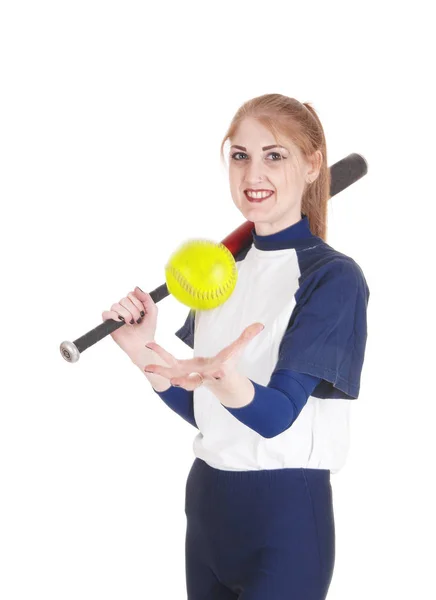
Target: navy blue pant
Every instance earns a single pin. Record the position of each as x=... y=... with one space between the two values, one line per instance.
x=258 y=535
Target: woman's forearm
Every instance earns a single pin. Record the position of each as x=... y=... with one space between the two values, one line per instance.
x=268 y=410
x=179 y=400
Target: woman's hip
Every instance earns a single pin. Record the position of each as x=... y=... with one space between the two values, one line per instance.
x=265 y=499
x=280 y=514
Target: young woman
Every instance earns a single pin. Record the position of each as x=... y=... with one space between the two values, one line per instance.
x=273 y=372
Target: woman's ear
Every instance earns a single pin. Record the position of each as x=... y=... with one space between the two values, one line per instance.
x=316 y=163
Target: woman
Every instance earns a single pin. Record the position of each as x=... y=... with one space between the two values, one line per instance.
x=273 y=372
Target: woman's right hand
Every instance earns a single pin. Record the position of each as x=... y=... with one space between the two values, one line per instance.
x=133 y=336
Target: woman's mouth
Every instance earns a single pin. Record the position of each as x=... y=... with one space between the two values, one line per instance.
x=257 y=195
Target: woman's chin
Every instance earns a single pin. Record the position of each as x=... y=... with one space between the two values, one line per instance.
x=255 y=205
x=256 y=209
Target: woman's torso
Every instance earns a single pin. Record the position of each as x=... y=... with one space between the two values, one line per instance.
x=319 y=438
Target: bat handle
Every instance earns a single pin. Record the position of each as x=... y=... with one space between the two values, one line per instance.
x=71 y=351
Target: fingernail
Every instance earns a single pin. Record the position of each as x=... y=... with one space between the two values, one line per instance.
x=139 y=320
x=121 y=318
x=131 y=322
x=175 y=385
x=142 y=313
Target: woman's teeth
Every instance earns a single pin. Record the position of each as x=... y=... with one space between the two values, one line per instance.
x=257 y=196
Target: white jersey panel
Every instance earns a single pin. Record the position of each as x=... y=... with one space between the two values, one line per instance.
x=319 y=437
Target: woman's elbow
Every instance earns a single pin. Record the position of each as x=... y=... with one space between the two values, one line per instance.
x=270 y=433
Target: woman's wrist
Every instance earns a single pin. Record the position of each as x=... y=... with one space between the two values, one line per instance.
x=234 y=390
x=143 y=357
x=158 y=383
x=146 y=356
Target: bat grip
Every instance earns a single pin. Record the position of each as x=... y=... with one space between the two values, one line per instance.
x=71 y=350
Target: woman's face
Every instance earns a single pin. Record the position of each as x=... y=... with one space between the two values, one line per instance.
x=257 y=166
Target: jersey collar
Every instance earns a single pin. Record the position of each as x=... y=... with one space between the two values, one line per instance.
x=297 y=235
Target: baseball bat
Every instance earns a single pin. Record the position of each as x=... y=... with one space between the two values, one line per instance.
x=343 y=174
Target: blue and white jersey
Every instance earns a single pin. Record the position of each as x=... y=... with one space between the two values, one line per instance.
x=313 y=301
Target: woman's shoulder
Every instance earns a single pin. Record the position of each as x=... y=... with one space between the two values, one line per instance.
x=339 y=261
x=325 y=266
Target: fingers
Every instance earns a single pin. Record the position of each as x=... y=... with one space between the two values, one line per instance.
x=188 y=382
x=146 y=301
x=187 y=377
x=204 y=368
x=252 y=330
x=111 y=314
x=124 y=308
x=167 y=357
x=166 y=372
x=132 y=308
x=115 y=312
x=140 y=308
x=246 y=336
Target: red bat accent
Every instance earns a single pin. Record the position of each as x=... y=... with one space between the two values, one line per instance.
x=239 y=238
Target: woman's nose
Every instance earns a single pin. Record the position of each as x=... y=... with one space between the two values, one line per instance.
x=254 y=172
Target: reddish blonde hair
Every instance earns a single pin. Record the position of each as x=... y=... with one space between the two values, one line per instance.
x=286 y=116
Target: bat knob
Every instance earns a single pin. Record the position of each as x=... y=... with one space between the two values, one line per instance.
x=70 y=352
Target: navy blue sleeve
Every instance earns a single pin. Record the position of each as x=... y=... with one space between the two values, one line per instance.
x=180 y=401
x=327 y=332
x=186 y=332
x=274 y=408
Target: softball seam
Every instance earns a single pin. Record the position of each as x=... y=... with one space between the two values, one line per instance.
x=205 y=294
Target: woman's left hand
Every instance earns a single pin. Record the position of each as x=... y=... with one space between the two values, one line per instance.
x=207 y=370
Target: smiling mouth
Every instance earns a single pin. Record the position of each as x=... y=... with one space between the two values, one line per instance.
x=258 y=195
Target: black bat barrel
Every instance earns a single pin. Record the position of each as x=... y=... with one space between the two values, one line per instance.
x=347 y=171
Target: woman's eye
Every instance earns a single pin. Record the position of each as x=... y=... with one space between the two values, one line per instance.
x=279 y=156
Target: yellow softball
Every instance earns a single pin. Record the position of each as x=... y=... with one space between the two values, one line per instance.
x=201 y=274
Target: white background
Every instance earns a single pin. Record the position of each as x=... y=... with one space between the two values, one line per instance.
x=112 y=114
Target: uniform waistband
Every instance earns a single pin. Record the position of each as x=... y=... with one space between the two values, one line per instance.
x=264 y=477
